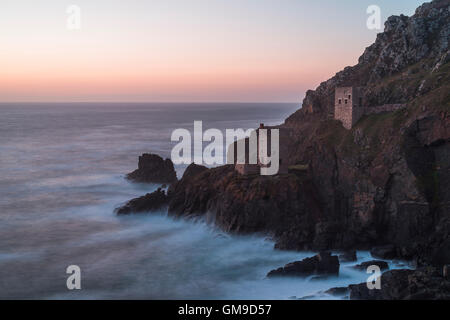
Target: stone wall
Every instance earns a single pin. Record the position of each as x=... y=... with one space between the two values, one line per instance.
x=349 y=106
x=343 y=110
x=358 y=109
x=344 y=114
x=384 y=108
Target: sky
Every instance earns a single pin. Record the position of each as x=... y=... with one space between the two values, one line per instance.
x=180 y=50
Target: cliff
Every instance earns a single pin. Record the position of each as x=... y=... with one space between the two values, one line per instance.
x=246 y=204
x=405 y=61
x=385 y=181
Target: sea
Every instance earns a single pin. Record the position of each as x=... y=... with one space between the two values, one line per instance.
x=62 y=174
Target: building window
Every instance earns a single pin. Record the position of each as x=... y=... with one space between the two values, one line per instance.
x=345 y=101
x=360 y=102
x=349 y=96
x=340 y=101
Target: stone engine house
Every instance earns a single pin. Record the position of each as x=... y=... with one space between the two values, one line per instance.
x=251 y=169
x=348 y=105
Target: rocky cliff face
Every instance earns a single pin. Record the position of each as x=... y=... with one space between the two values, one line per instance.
x=385 y=181
x=246 y=204
x=397 y=51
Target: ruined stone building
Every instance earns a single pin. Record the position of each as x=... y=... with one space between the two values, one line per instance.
x=248 y=168
x=348 y=105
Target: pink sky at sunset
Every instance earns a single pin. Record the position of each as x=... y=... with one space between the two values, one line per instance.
x=179 y=52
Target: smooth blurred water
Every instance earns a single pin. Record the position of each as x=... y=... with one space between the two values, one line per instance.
x=62 y=172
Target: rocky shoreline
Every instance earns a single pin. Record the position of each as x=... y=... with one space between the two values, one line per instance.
x=196 y=194
x=382 y=186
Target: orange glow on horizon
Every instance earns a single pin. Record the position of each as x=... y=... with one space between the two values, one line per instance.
x=73 y=77
x=174 y=50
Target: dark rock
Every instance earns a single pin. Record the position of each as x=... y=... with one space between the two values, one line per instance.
x=319 y=278
x=153 y=169
x=322 y=264
x=405 y=285
x=383 y=265
x=310 y=297
x=446 y=272
x=247 y=204
x=193 y=170
x=348 y=256
x=338 y=291
x=150 y=202
x=441 y=255
x=393 y=286
x=362 y=292
x=328 y=264
x=384 y=252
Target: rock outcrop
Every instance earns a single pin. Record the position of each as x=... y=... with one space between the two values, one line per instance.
x=150 y=202
x=384 y=252
x=348 y=256
x=383 y=265
x=245 y=204
x=338 y=291
x=322 y=264
x=422 y=284
x=153 y=169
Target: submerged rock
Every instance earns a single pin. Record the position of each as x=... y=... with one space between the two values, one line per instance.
x=383 y=265
x=322 y=264
x=150 y=202
x=320 y=278
x=348 y=256
x=153 y=169
x=338 y=291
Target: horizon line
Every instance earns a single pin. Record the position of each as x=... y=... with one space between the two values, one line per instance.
x=160 y=102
